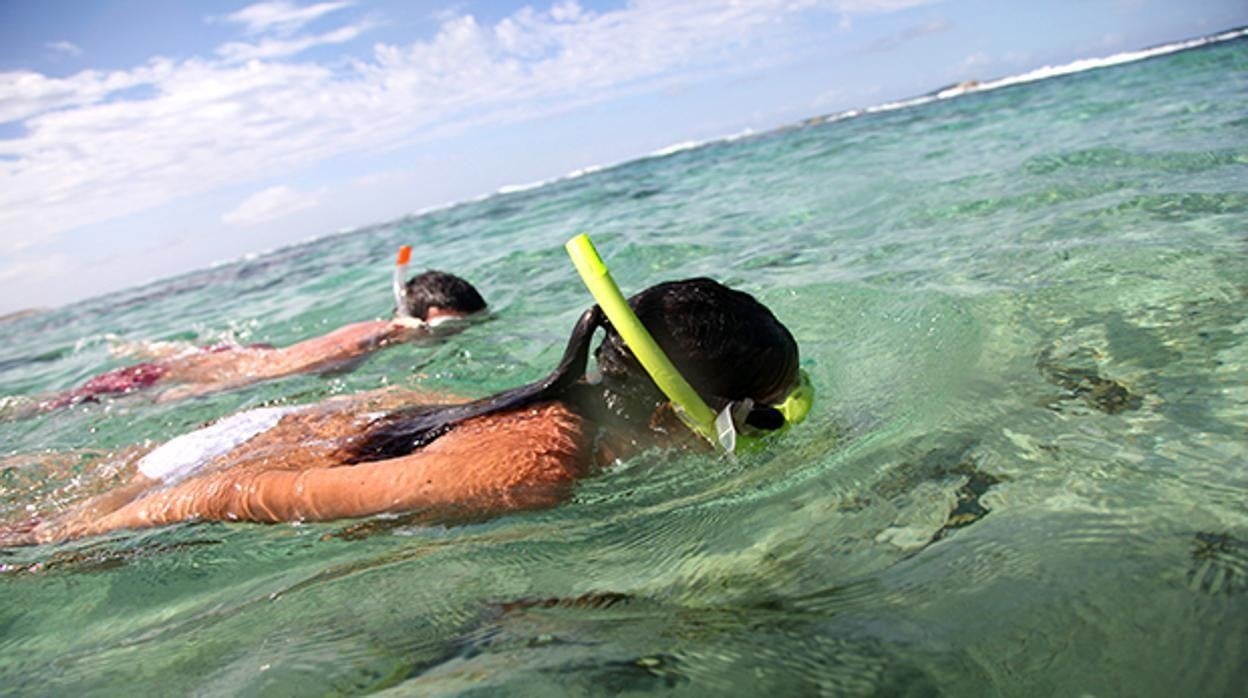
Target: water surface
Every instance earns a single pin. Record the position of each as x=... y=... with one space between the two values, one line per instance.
x=1024 y=310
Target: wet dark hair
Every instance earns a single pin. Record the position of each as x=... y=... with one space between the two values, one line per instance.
x=446 y=291
x=726 y=344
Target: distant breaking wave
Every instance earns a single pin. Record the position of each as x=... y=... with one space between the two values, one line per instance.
x=1043 y=73
x=1083 y=64
x=972 y=86
x=591 y=169
x=950 y=92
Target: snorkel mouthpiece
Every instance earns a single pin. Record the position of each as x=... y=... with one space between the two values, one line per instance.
x=720 y=430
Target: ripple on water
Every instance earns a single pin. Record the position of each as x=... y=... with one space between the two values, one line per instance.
x=1023 y=310
x=640 y=645
x=1219 y=564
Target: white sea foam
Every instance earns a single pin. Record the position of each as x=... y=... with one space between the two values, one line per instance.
x=677 y=148
x=517 y=188
x=1116 y=59
x=584 y=171
x=1042 y=73
x=951 y=92
x=968 y=87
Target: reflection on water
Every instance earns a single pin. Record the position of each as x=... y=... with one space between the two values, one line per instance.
x=1025 y=474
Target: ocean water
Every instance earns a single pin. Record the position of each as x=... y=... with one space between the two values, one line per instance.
x=1026 y=313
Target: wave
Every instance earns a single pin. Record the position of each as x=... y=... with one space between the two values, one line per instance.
x=949 y=92
x=1043 y=73
x=952 y=91
x=673 y=149
x=517 y=188
x=1085 y=64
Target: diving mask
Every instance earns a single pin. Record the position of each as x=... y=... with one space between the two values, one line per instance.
x=732 y=426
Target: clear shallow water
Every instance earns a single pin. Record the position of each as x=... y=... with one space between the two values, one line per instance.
x=1027 y=472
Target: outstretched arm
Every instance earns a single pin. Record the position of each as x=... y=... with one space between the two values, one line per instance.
x=518 y=460
x=210 y=373
x=342 y=344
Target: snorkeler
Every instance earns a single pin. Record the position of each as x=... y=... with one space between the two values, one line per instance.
x=519 y=449
x=423 y=304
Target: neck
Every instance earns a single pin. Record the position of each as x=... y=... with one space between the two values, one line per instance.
x=607 y=407
x=624 y=425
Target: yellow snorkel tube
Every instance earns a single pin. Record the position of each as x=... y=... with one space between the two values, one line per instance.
x=692 y=409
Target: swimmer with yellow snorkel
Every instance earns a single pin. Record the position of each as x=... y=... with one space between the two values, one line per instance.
x=423 y=304
x=681 y=363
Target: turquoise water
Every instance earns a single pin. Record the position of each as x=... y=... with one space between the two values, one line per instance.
x=1026 y=311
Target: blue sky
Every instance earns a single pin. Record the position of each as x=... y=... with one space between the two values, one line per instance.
x=143 y=138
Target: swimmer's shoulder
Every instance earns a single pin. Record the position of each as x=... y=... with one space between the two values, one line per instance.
x=551 y=418
x=545 y=441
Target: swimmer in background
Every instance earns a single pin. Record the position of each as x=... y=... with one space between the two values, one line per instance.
x=519 y=449
x=423 y=303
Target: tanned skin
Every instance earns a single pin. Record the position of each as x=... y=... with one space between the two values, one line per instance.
x=201 y=372
x=523 y=459
x=204 y=372
x=519 y=449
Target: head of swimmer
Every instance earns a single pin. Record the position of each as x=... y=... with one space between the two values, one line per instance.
x=726 y=344
x=436 y=294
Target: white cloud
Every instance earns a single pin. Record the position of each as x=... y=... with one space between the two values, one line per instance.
x=268 y=205
x=92 y=150
x=24 y=94
x=281 y=17
x=239 y=52
x=864 y=7
x=568 y=11
x=849 y=8
x=66 y=47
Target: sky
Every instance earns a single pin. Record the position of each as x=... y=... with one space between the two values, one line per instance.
x=140 y=139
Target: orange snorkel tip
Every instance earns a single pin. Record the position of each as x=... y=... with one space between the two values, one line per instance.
x=397 y=281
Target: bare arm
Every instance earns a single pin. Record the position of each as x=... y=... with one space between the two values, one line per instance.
x=209 y=373
x=343 y=343
x=518 y=460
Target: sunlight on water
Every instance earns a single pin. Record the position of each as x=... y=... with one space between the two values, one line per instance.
x=1024 y=311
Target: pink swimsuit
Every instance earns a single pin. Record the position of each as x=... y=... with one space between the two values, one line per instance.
x=128 y=379
x=119 y=380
